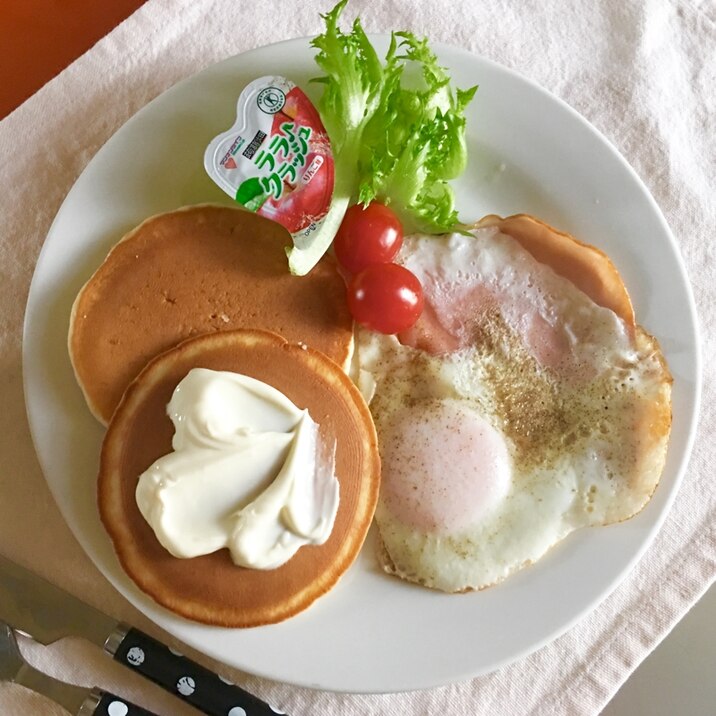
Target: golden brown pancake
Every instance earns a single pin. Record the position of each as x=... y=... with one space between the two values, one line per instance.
x=197 y=270
x=211 y=589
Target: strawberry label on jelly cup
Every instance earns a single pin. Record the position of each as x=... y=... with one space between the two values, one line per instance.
x=276 y=160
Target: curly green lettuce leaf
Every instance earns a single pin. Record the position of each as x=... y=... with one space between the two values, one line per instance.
x=415 y=143
x=397 y=131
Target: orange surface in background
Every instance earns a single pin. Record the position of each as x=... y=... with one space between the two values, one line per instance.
x=39 y=38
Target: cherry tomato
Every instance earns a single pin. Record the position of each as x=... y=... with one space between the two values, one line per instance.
x=386 y=298
x=370 y=235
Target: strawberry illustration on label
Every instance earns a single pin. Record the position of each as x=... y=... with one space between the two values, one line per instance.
x=276 y=160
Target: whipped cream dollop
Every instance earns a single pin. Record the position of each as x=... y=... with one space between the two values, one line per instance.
x=248 y=471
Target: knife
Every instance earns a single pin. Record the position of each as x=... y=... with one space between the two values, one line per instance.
x=77 y=700
x=47 y=613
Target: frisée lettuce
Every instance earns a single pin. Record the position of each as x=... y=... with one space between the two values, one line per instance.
x=397 y=131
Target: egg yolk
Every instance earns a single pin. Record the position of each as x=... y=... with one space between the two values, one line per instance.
x=443 y=466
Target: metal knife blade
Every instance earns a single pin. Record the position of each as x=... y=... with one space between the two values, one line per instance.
x=45 y=612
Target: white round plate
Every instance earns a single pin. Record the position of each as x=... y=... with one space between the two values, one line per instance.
x=529 y=152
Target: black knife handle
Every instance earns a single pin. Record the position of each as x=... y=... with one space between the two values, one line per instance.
x=103 y=703
x=186 y=679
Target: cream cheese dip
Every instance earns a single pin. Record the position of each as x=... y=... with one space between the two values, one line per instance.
x=248 y=471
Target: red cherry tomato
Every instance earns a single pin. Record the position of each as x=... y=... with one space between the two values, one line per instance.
x=386 y=298
x=370 y=235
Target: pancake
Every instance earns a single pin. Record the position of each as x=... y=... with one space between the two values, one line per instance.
x=197 y=270
x=211 y=589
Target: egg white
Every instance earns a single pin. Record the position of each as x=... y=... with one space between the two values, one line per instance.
x=585 y=427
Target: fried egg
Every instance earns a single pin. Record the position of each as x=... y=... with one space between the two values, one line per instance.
x=520 y=412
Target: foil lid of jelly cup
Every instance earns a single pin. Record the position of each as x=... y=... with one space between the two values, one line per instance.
x=276 y=160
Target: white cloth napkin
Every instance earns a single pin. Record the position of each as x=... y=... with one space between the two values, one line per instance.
x=644 y=73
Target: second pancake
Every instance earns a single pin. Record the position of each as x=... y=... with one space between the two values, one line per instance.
x=197 y=270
